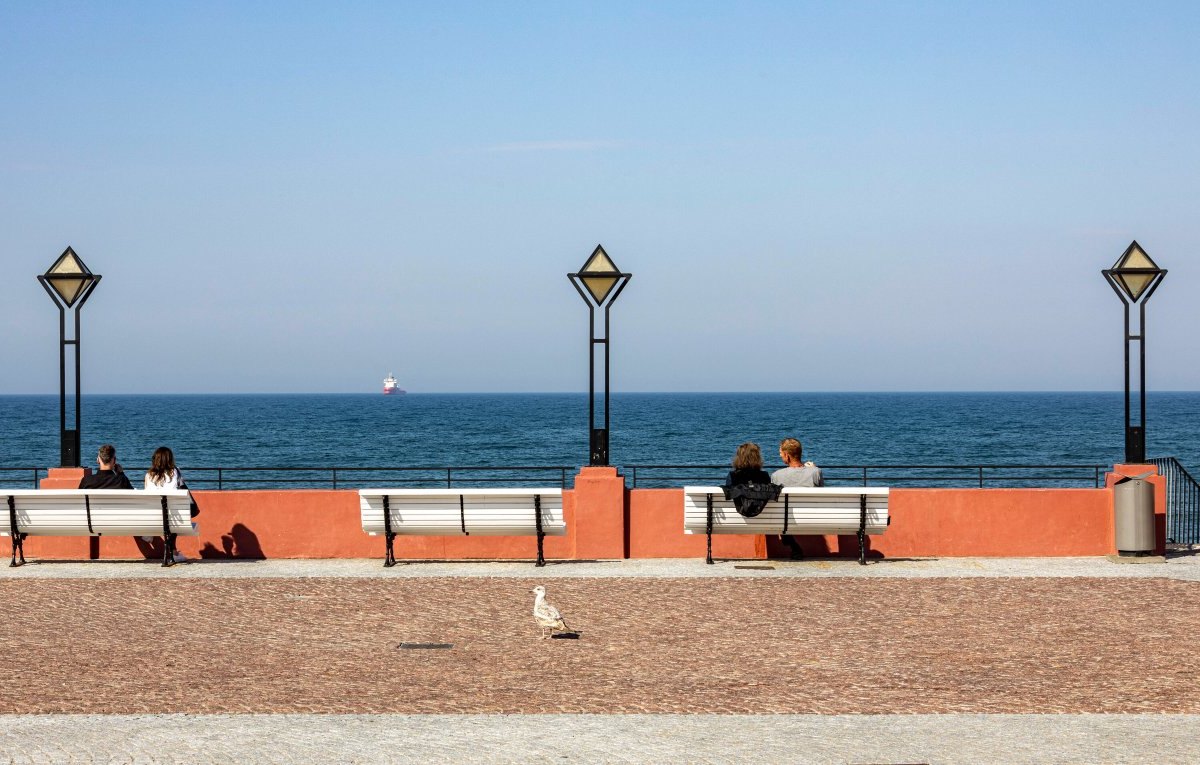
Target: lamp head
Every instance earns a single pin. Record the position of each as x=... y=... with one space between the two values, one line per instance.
x=600 y=276
x=69 y=279
x=1134 y=275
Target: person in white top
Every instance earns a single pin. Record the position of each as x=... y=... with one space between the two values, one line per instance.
x=163 y=475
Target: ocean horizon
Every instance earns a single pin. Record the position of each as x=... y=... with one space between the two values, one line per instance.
x=361 y=430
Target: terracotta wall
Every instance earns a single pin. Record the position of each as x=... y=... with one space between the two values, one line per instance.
x=607 y=521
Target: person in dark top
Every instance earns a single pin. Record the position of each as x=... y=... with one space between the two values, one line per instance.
x=747 y=467
x=110 y=475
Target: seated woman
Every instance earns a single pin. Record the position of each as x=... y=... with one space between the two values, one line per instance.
x=748 y=485
x=163 y=474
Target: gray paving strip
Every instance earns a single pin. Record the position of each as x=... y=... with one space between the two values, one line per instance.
x=1182 y=565
x=841 y=739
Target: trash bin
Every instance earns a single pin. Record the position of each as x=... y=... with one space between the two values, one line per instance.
x=1133 y=504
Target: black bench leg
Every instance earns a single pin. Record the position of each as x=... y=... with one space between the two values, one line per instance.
x=168 y=550
x=18 y=539
x=862 y=530
x=708 y=532
x=389 y=557
x=541 y=560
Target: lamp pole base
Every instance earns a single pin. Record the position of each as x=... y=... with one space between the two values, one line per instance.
x=1135 y=445
x=598 y=447
x=70 y=449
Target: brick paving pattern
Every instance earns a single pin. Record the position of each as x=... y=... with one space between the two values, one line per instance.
x=726 y=646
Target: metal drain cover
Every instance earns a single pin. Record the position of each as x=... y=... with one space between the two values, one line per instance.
x=426 y=646
x=757 y=568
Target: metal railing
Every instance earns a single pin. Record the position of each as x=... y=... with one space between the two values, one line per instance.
x=232 y=478
x=18 y=475
x=1183 y=502
x=934 y=476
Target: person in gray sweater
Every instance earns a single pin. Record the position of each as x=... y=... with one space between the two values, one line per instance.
x=796 y=473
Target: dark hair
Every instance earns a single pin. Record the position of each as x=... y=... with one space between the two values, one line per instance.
x=107 y=454
x=747 y=456
x=162 y=465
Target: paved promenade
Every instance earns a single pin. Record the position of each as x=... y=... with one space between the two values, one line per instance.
x=947 y=661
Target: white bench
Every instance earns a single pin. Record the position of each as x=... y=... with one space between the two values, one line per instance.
x=95 y=512
x=860 y=511
x=449 y=512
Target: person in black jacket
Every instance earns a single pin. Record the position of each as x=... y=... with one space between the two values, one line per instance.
x=747 y=467
x=110 y=475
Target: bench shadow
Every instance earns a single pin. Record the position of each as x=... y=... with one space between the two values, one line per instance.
x=816 y=546
x=500 y=560
x=239 y=544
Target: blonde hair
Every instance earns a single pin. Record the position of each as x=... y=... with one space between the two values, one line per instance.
x=747 y=456
x=792 y=448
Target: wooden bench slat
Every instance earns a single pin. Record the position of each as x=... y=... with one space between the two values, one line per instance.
x=487 y=512
x=811 y=511
x=63 y=512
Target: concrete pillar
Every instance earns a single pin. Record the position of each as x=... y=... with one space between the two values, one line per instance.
x=601 y=515
x=64 y=477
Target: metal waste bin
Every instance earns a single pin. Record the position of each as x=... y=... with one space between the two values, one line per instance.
x=1133 y=504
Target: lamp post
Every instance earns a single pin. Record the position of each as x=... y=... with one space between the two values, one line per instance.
x=69 y=284
x=599 y=282
x=1134 y=277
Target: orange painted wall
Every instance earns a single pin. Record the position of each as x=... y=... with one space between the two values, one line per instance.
x=925 y=523
x=997 y=523
x=302 y=524
x=607 y=521
x=656 y=530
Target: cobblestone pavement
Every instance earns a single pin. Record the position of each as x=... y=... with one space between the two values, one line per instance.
x=1180 y=565
x=918 y=661
x=539 y=739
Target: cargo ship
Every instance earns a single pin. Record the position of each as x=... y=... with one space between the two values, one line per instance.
x=390 y=387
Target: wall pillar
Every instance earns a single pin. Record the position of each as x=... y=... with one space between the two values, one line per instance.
x=64 y=477
x=600 y=514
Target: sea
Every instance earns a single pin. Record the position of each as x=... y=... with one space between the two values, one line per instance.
x=296 y=440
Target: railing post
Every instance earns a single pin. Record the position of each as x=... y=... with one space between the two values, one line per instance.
x=335 y=479
x=981 y=476
x=448 y=485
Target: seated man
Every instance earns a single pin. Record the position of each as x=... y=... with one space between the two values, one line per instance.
x=796 y=473
x=110 y=475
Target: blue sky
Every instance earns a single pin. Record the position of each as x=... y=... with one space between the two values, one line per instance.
x=815 y=197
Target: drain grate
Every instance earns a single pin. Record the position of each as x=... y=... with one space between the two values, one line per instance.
x=757 y=568
x=426 y=646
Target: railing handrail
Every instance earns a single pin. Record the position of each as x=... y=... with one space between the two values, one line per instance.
x=977 y=472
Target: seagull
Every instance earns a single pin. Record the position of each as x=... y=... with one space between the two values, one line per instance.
x=547 y=616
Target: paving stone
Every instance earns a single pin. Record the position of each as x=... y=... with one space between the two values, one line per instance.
x=970 y=660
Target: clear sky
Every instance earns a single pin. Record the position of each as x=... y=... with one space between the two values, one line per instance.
x=304 y=197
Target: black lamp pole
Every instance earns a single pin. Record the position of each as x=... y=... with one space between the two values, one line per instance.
x=1135 y=277
x=69 y=284
x=599 y=282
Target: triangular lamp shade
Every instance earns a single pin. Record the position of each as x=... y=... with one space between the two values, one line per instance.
x=1134 y=271
x=69 y=277
x=599 y=274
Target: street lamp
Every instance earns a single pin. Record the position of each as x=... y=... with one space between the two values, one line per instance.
x=599 y=282
x=69 y=284
x=1134 y=277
